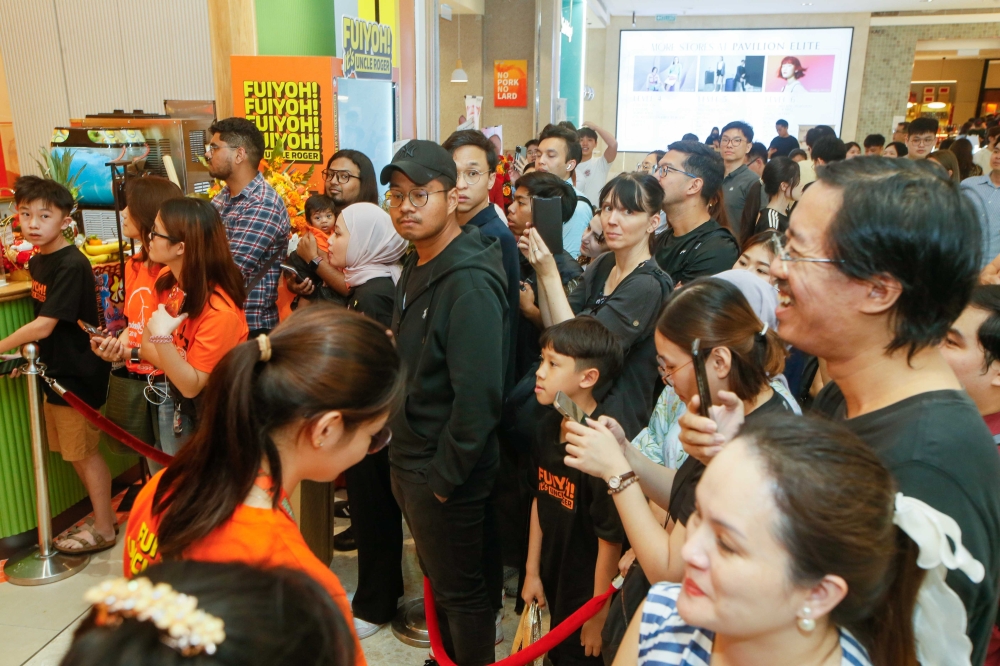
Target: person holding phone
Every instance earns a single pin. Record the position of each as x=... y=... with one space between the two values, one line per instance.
x=366 y=247
x=199 y=316
x=740 y=354
x=624 y=289
x=142 y=200
x=304 y=403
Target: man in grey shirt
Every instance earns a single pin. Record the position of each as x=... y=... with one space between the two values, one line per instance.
x=737 y=138
x=984 y=193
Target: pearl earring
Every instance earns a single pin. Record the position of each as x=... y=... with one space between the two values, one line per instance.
x=806 y=622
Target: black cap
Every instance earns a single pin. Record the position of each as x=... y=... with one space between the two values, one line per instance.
x=421 y=161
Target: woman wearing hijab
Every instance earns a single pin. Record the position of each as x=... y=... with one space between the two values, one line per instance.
x=367 y=248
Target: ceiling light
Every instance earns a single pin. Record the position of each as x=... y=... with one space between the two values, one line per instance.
x=936 y=105
x=909 y=104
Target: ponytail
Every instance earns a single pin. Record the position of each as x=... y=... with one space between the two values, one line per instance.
x=888 y=632
x=322 y=359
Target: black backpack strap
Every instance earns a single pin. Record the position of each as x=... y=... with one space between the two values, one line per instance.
x=262 y=272
x=581 y=198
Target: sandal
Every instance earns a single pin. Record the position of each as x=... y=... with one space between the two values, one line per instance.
x=99 y=544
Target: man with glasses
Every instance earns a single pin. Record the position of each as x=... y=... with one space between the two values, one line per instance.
x=694 y=245
x=349 y=178
x=476 y=163
x=736 y=141
x=880 y=259
x=921 y=137
x=449 y=322
x=255 y=217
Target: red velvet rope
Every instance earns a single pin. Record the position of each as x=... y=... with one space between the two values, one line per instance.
x=113 y=429
x=555 y=636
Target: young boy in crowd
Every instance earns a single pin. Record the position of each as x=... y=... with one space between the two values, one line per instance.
x=64 y=291
x=576 y=535
x=321 y=218
x=972 y=349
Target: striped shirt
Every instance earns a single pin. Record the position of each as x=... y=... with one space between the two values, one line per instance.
x=666 y=640
x=985 y=198
x=257 y=227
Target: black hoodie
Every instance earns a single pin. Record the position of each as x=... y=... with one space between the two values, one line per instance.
x=452 y=336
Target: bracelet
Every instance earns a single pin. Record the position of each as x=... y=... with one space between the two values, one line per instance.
x=624 y=484
x=161 y=339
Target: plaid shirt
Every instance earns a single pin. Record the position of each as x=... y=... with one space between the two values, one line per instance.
x=258 y=228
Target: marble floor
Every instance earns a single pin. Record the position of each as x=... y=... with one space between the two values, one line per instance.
x=37 y=623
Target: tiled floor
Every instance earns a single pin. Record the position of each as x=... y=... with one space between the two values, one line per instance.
x=37 y=623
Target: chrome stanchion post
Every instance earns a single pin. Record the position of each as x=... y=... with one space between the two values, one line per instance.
x=44 y=564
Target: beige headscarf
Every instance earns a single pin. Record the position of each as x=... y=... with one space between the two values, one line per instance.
x=374 y=248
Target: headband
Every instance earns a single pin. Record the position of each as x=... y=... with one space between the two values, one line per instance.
x=182 y=626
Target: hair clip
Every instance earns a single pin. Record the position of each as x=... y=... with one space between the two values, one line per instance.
x=763 y=331
x=183 y=627
x=265 y=347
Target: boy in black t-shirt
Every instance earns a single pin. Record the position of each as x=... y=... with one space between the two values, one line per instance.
x=576 y=534
x=63 y=291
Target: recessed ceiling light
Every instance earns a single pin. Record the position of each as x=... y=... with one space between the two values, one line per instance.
x=807 y=4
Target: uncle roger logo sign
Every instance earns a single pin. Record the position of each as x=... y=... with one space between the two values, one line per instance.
x=367 y=49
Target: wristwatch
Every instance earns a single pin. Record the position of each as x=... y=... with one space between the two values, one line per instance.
x=134 y=355
x=616 y=484
x=316 y=261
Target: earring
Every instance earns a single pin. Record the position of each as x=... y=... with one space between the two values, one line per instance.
x=806 y=622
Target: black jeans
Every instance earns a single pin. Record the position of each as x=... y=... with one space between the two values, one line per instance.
x=378 y=530
x=450 y=538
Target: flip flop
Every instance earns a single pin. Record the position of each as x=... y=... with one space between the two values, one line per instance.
x=100 y=543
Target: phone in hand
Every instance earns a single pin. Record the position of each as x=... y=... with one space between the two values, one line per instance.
x=174 y=301
x=8 y=366
x=546 y=216
x=288 y=268
x=92 y=331
x=701 y=376
x=520 y=153
x=565 y=406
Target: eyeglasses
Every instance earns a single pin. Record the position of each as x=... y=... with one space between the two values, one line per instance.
x=210 y=148
x=727 y=141
x=782 y=253
x=668 y=377
x=154 y=234
x=418 y=198
x=340 y=176
x=642 y=167
x=471 y=176
x=662 y=170
x=380 y=440
x=922 y=141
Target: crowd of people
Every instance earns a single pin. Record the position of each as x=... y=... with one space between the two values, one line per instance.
x=539 y=415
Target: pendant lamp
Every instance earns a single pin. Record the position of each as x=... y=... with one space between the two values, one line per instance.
x=459 y=75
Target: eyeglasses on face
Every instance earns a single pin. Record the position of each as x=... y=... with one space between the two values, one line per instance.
x=928 y=140
x=730 y=141
x=471 y=176
x=642 y=167
x=340 y=176
x=782 y=252
x=662 y=170
x=668 y=376
x=394 y=198
x=153 y=233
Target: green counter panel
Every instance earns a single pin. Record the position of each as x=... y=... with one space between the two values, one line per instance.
x=17 y=479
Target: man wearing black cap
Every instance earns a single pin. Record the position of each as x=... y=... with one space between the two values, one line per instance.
x=449 y=322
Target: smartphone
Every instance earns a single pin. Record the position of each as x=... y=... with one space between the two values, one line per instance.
x=701 y=376
x=288 y=268
x=546 y=216
x=520 y=152
x=92 y=331
x=8 y=366
x=565 y=406
x=174 y=301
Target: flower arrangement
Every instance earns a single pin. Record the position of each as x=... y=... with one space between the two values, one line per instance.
x=292 y=185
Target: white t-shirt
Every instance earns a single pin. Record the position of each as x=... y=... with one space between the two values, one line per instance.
x=982 y=158
x=591 y=176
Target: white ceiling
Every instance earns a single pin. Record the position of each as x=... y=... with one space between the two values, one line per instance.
x=728 y=7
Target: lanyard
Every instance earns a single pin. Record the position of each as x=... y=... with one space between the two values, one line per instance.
x=264 y=482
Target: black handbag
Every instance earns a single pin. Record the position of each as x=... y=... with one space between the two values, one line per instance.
x=127 y=408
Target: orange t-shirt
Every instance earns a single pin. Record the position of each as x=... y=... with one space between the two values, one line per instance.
x=202 y=341
x=263 y=538
x=322 y=240
x=140 y=302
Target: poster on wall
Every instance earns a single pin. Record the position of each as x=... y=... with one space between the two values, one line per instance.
x=290 y=100
x=510 y=87
x=672 y=82
x=367 y=47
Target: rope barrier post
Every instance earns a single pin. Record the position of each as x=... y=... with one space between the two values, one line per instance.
x=44 y=564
